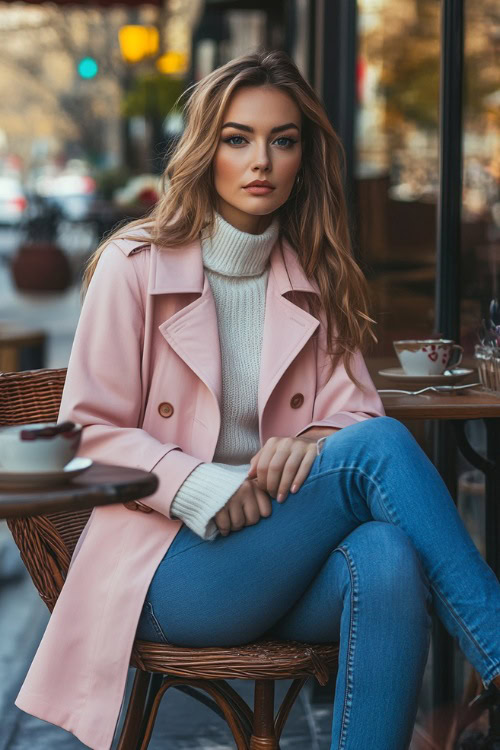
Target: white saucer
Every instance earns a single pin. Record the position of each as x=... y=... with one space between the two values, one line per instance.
x=448 y=377
x=36 y=479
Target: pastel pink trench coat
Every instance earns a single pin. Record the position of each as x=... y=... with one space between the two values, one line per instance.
x=144 y=378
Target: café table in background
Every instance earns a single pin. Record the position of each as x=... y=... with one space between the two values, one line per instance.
x=21 y=348
x=456 y=408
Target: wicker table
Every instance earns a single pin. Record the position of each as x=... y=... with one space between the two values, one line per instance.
x=102 y=484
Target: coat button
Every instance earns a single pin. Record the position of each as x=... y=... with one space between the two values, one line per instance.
x=144 y=508
x=297 y=401
x=131 y=505
x=165 y=409
x=134 y=505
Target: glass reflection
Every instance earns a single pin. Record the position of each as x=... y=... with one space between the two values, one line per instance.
x=397 y=156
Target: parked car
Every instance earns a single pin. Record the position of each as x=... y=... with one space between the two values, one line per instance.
x=73 y=194
x=13 y=201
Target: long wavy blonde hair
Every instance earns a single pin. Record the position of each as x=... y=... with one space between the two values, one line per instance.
x=314 y=219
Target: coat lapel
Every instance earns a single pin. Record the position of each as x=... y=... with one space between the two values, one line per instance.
x=193 y=332
x=287 y=327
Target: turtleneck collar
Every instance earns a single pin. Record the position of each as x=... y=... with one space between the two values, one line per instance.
x=234 y=253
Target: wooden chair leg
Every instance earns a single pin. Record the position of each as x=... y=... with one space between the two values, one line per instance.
x=155 y=684
x=130 y=733
x=234 y=719
x=287 y=704
x=264 y=734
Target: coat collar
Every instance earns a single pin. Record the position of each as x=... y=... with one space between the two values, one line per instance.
x=177 y=270
x=181 y=270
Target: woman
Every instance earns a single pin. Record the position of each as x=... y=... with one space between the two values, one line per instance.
x=219 y=346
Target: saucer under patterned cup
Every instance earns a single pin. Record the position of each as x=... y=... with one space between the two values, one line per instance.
x=449 y=377
x=20 y=480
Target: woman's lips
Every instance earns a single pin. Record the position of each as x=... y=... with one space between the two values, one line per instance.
x=258 y=190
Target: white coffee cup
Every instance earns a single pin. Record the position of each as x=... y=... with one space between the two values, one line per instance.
x=427 y=356
x=24 y=448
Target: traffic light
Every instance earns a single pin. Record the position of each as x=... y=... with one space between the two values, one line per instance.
x=88 y=68
x=172 y=62
x=138 y=42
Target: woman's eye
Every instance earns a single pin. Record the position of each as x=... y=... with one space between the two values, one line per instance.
x=229 y=140
x=289 y=144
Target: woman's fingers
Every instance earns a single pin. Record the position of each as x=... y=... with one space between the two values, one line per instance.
x=237 y=516
x=223 y=521
x=272 y=451
x=300 y=475
x=252 y=512
x=279 y=484
x=244 y=508
x=263 y=503
x=280 y=460
x=252 y=473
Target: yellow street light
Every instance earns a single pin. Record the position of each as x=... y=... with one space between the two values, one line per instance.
x=138 y=42
x=172 y=62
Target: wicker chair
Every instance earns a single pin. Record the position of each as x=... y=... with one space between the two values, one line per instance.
x=46 y=544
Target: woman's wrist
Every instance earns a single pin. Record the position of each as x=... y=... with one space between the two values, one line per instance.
x=319 y=436
x=319 y=432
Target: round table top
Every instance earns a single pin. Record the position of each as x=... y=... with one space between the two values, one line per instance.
x=471 y=403
x=101 y=484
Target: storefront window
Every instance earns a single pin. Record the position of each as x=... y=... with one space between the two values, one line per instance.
x=481 y=167
x=396 y=143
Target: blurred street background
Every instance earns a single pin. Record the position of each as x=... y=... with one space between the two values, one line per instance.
x=88 y=111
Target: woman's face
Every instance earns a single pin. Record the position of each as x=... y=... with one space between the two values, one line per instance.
x=260 y=139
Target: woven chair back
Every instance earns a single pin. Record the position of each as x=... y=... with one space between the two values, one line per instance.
x=46 y=543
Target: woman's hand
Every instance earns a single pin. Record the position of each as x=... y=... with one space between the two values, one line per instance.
x=244 y=508
x=283 y=464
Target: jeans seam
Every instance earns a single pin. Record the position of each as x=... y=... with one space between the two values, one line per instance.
x=154 y=622
x=389 y=518
x=186 y=549
x=460 y=622
x=351 y=647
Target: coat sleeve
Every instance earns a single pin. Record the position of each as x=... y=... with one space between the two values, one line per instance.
x=339 y=402
x=104 y=391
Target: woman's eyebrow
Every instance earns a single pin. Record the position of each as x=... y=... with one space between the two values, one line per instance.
x=277 y=129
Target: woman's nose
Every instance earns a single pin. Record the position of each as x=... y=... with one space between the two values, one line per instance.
x=262 y=159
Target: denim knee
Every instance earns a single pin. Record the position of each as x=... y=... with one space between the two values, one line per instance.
x=385 y=426
x=385 y=556
x=380 y=433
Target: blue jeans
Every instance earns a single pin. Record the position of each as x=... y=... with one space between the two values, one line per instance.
x=360 y=554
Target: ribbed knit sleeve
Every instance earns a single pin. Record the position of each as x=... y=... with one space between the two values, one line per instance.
x=205 y=491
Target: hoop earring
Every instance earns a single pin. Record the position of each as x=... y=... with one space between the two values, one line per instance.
x=298 y=181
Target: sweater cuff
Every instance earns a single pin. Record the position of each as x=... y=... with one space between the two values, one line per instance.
x=205 y=491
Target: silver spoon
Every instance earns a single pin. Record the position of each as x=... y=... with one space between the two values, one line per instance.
x=438 y=388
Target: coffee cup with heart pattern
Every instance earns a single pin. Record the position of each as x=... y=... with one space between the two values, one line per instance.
x=428 y=356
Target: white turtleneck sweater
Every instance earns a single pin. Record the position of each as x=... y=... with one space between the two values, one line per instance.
x=237 y=267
